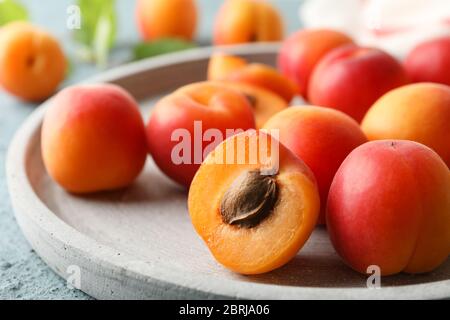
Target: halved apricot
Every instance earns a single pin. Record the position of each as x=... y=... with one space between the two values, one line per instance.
x=221 y=64
x=254 y=203
x=238 y=70
x=266 y=77
x=265 y=104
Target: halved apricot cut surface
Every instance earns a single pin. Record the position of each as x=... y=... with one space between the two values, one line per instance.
x=265 y=104
x=254 y=203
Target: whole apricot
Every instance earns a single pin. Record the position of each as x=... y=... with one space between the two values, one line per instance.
x=187 y=124
x=32 y=64
x=418 y=112
x=241 y=21
x=430 y=61
x=300 y=53
x=351 y=78
x=93 y=138
x=389 y=206
x=166 y=18
x=321 y=137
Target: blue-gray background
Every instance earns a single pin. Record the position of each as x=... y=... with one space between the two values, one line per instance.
x=23 y=275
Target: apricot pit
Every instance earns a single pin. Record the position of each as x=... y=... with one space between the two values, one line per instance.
x=250 y=199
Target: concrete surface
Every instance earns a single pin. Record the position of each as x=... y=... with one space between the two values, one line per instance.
x=23 y=275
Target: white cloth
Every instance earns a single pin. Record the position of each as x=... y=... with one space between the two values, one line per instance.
x=393 y=25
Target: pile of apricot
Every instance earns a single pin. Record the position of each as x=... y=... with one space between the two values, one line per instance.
x=367 y=152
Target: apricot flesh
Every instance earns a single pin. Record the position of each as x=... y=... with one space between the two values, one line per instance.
x=220 y=65
x=252 y=250
x=266 y=77
x=238 y=70
x=264 y=103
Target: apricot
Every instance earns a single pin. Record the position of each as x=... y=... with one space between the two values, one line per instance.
x=300 y=53
x=266 y=77
x=93 y=138
x=254 y=216
x=352 y=78
x=187 y=124
x=321 y=137
x=418 y=112
x=32 y=64
x=264 y=103
x=389 y=206
x=430 y=61
x=241 y=21
x=220 y=65
x=166 y=18
x=236 y=69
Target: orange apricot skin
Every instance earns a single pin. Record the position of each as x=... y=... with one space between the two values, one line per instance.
x=389 y=206
x=93 y=138
x=254 y=251
x=321 y=137
x=215 y=105
x=32 y=64
x=300 y=53
x=418 y=112
x=242 y=21
x=166 y=18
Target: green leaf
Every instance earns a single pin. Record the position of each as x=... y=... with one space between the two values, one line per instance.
x=11 y=10
x=98 y=28
x=160 y=46
x=102 y=40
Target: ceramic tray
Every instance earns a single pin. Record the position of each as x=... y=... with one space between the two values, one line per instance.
x=138 y=243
